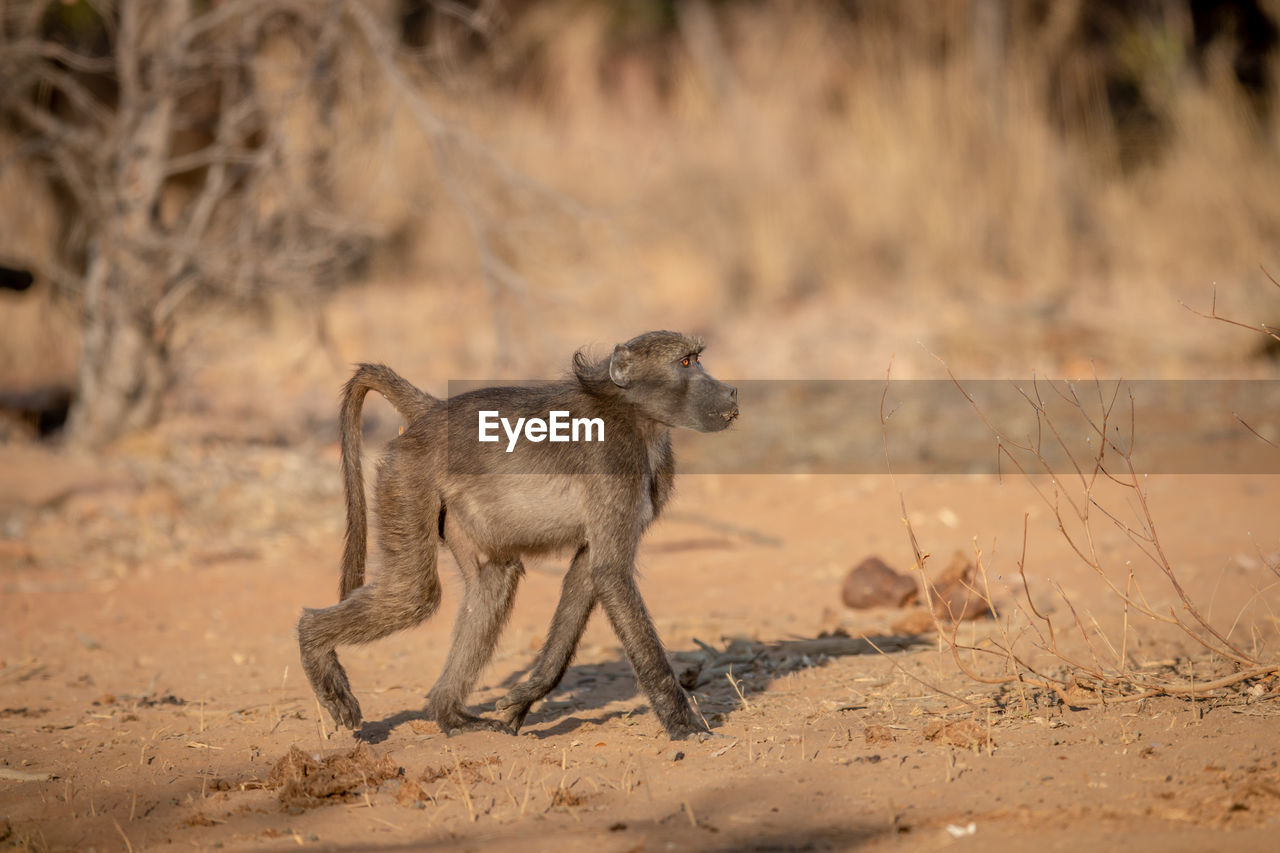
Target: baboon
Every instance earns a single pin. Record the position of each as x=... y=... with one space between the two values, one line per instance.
x=491 y=504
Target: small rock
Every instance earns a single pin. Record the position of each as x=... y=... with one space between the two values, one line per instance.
x=675 y=755
x=957 y=592
x=872 y=583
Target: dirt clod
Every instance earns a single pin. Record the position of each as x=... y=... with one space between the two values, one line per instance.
x=878 y=734
x=468 y=769
x=564 y=797
x=307 y=781
x=410 y=792
x=961 y=733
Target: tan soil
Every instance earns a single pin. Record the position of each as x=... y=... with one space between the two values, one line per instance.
x=150 y=693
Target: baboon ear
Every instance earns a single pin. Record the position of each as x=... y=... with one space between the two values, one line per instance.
x=620 y=366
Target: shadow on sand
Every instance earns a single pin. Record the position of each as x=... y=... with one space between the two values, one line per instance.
x=702 y=670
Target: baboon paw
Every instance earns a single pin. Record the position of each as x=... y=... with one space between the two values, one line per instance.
x=688 y=734
x=454 y=721
x=474 y=724
x=689 y=729
x=345 y=711
x=519 y=695
x=515 y=714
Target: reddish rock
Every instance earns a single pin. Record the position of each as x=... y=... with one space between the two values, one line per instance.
x=958 y=593
x=872 y=583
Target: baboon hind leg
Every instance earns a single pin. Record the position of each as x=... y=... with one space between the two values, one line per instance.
x=490 y=588
x=406 y=592
x=577 y=599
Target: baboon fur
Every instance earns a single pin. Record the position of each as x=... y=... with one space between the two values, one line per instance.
x=491 y=507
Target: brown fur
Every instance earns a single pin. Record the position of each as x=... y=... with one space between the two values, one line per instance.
x=490 y=507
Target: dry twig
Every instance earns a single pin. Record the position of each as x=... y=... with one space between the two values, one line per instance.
x=1029 y=630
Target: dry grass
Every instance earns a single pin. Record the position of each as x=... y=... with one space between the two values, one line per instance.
x=1044 y=639
x=837 y=176
x=798 y=176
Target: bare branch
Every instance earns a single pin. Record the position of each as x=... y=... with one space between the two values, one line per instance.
x=28 y=50
x=1105 y=672
x=1247 y=426
x=1213 y=314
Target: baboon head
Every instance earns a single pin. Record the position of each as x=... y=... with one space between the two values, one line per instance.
x=661 y=374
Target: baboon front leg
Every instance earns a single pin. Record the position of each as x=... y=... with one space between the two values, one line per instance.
x=333 y=690
x=577 y=598
x=406 y=593
x=486 y=604
x=616 y=588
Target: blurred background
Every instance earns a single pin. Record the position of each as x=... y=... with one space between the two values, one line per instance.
x=222 y=205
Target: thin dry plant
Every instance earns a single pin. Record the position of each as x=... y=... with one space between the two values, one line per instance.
x=1261 y=328
x=1027 y=644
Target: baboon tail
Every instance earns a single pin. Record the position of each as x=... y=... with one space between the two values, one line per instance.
x=410 y=402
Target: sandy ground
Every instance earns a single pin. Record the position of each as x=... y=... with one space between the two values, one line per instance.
x=150 y=691
x=150 y=688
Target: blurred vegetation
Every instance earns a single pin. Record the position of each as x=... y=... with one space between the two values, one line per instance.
x=816 y=185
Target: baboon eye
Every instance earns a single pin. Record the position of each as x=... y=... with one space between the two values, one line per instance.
x=684 y=362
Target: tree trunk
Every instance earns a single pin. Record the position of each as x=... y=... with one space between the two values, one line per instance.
x=124 y=365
